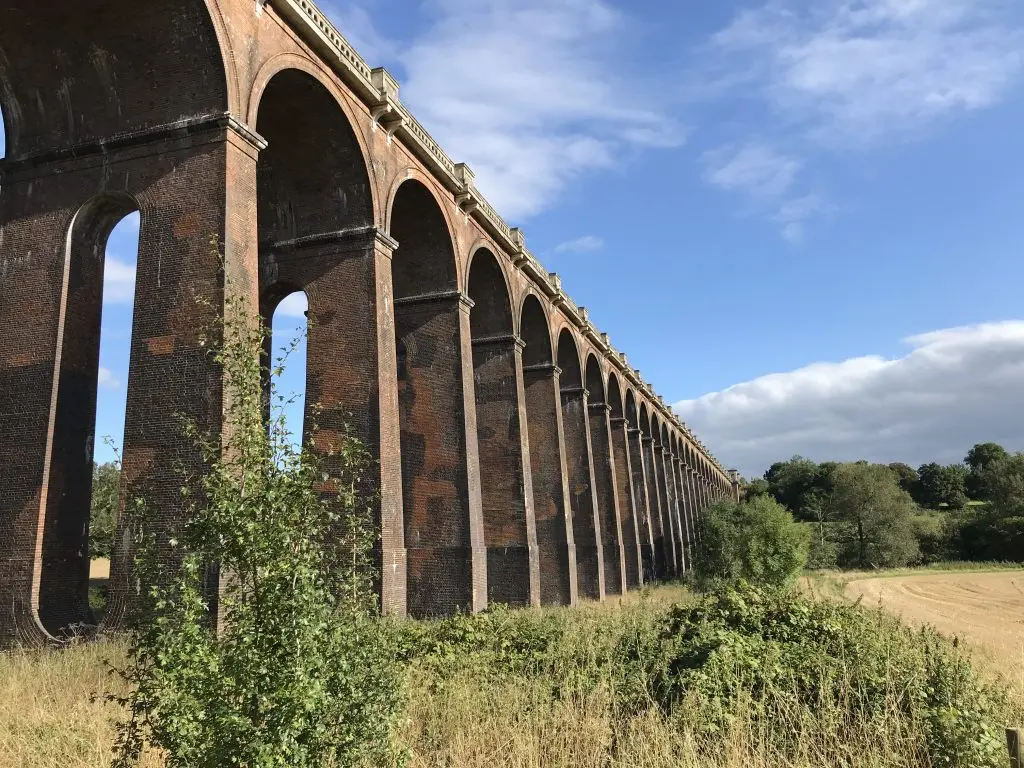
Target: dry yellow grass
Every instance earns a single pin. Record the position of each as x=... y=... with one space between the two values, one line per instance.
x=984 y=609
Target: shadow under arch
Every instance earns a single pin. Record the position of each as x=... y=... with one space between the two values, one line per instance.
x=61 y=569
x=107 y=62
x=505 y=482
x=605 y=487
x=660 y=539
x=550 y=451
x=440 y=506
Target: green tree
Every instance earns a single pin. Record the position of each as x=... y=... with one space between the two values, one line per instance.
x=985 y=462
x=906 y=475
x=106 y=480
x=756 y=487
x=756 y=541
x=792 y=482
x=942 y=485
x=302 y=671
x=876 y=517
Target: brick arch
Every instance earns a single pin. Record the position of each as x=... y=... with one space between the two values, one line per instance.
x=509 y=525
x=312 y=178
x=569 y=359
x=535 y=331
x=615 y=398
x=60 y=567
x=488 y=287
x=413 y=176
x=105 y=62
x=632 y=413
x=595 y=379
x=424 y=261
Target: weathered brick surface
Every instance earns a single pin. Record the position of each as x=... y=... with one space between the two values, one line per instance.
x=501 y=475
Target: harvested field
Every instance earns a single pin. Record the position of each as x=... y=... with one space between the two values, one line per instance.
x=984 y=609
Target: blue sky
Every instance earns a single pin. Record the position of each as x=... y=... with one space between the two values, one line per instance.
x=801 y=220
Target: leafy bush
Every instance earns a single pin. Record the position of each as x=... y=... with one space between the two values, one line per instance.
x=814 y=665
x=302 y=672
x=755 y=540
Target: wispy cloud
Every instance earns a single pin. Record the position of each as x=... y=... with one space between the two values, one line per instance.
x=118 y=281
x=107 y=379
x=530 y=93
x=841 y=75
x=955 y=387
x=860 y=72
x=293 y=305
x=585 y=244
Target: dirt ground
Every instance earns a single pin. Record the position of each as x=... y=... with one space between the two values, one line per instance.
x=984 y=609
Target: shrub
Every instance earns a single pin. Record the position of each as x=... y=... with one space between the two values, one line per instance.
x=302 y=672
x=755 y=540
x=793 y=665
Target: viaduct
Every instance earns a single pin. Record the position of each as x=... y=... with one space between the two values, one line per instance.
x=521 y=459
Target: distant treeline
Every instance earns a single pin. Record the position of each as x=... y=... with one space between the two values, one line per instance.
x=867 y=515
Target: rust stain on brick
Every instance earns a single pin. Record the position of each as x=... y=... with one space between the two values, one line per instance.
x=160 y=345
x=187 y=225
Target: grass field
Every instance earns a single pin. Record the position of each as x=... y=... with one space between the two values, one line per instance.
x=52 y=713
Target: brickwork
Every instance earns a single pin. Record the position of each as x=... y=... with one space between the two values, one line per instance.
x=507 y=469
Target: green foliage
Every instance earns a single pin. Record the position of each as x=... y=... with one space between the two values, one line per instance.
x=755 y=540
x=106 y=479
x=985 y=462
x=782 y=653
x=876 y=516
x=932 y=532
x=942 y=486
x=793 y=670
x=302 y=671
x=906 y=476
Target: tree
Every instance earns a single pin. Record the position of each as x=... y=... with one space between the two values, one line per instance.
x=756 y=487
x=755 y=540
x=791 y=482
x=985 y=461
x=942 y=485
x=301 y=671
x=106 y=481
x=876 y=517
x=906 y=476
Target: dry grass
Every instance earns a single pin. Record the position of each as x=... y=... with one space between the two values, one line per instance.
x=49 y=718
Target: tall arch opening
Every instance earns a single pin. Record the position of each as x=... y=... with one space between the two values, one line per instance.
x=628 y=503
x=315 y=224
x=549 y=453
x=431 y=328
x=580 y=469
x=289 y=336
x=660 y=557
x=505 y=487
x=666 y=492
x=642 y=508
x=608 y=514
x=81 y=478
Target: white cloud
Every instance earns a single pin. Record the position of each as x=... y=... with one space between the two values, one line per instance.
x=955 y=387
x=107 y=379
x=293 y=305
x=766 y=177
x=836 y=75
x=530 y=93
x=118 y=281
x=857 y=72
x=584 y=244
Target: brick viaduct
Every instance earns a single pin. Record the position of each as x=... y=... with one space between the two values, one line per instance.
x=521 y=459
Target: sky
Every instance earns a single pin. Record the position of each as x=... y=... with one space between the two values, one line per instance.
x=800 y=220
